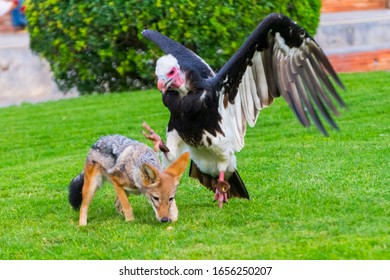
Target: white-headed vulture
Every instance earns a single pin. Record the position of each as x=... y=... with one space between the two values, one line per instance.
x=209 y=111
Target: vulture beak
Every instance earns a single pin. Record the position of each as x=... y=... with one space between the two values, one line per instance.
x=163 y=84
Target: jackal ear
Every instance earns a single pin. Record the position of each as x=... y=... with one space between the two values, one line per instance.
x=177 y=168
x=150 y=175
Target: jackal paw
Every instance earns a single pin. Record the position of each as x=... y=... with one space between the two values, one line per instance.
x=130 y=218
x=118 y=207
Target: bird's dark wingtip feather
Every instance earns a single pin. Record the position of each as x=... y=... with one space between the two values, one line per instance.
x=238 y=188
x=322 y=130
x=341 y=85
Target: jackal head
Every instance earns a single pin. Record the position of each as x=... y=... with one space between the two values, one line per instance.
x=160 y=187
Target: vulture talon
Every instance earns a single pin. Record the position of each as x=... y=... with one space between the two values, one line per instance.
x=221 y=190
x=159 y=144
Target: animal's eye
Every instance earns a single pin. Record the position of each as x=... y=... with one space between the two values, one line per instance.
x=171 y=198
x=171 y=72
x=155 y=198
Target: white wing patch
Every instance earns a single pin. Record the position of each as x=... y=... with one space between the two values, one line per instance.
x=253 y=90
x=261 y=81
x=253 y=96
x=233 y=122
x=281 y=43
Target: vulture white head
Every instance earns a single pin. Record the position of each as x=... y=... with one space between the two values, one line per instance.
x=169 y=75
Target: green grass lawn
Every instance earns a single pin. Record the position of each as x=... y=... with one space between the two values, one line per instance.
x=311 y=197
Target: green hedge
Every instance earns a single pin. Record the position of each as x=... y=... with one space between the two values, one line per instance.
x=97 y=46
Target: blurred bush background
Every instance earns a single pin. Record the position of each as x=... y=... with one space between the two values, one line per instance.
x=97 y=46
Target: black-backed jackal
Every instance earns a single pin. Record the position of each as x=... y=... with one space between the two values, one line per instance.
x=132 y=167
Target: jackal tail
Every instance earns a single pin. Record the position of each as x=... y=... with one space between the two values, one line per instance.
x=75 y=191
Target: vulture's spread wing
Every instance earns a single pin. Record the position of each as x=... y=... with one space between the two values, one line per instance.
x=278 y=59
x=185 y=57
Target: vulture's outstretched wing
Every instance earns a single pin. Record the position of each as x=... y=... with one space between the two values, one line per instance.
x=279 y=59
x=185 y=57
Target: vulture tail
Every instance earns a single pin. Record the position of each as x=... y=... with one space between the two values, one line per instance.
x=237 y=186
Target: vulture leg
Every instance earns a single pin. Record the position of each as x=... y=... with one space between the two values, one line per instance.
x=221 y=190
x=155 y=138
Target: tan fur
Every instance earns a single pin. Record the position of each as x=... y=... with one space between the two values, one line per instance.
x=135 y=171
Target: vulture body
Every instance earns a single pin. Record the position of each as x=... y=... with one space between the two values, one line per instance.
x=210 y=111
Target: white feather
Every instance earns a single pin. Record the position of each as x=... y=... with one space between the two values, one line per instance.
x=232 y=123
x=261 y=81
x=281 y=43
x=252 y=96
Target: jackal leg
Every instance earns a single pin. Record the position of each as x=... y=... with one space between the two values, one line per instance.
x=118 y=204
x=92 y=180
x=122 y=197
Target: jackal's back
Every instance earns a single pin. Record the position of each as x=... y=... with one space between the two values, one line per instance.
x=116 y=150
